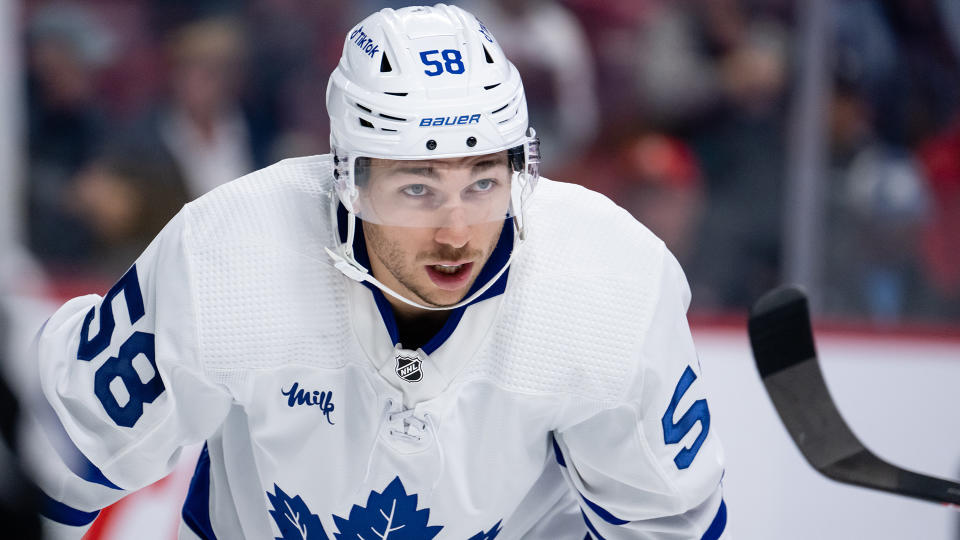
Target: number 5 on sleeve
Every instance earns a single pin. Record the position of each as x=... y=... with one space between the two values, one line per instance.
x=129 y=285
x=674 y=432
x=126 y=381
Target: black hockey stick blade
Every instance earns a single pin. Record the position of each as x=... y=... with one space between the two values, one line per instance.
x=782 y=340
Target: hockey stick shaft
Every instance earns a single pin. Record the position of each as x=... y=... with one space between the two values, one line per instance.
x=781 y=337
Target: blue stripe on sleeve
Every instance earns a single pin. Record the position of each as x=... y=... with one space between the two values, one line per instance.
x=716 y=528
x=72 y=457
x=599 y=510
x=557 y=452
x=603 y=513
x=713 y=532
x=590 y=526
x=61 y=513
x=718 y=525
x=196 y=507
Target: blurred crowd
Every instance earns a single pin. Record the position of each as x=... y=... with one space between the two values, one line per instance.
x=676 y=109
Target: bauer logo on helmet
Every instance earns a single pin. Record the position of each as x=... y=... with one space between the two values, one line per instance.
x=450 y=120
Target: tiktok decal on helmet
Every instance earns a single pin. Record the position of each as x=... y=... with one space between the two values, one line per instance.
x=425 y=83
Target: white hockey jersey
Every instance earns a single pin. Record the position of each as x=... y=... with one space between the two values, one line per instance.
x=564 y=402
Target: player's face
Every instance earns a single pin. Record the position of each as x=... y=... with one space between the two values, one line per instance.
x=437 y=259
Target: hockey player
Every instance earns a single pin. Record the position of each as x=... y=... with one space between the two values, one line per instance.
x=395 y=340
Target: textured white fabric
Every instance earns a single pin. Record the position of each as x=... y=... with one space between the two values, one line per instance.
x=578 y=300
x=585 y=347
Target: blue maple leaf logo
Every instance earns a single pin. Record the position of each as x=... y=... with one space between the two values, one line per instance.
x=489 y=535
x=391 y=515
x=293 y=518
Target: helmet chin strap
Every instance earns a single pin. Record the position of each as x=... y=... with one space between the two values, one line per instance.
x=345 y=261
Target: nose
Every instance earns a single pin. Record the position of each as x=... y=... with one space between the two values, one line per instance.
x=454 y=231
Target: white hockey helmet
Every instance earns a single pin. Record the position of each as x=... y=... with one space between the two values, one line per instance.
x=427 y=83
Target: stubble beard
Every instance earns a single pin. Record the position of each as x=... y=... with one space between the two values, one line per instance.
x=392 y=258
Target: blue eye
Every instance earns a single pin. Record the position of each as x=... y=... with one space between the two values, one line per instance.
x=415 y=190
x=483 y=185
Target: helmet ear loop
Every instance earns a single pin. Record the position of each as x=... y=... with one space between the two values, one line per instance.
x=344 y=176
x=517 y=182
x=347 y=193
x=351 y=193
x=524 y=180
x=531 y=155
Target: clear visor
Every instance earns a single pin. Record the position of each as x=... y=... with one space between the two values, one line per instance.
x=436 y=193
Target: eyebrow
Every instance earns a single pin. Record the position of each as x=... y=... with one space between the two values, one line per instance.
x=489 y=163
x=429 y=171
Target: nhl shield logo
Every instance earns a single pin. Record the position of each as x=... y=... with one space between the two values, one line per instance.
x=408 y=366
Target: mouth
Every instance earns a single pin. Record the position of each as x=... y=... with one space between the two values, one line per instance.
x=450 y=276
